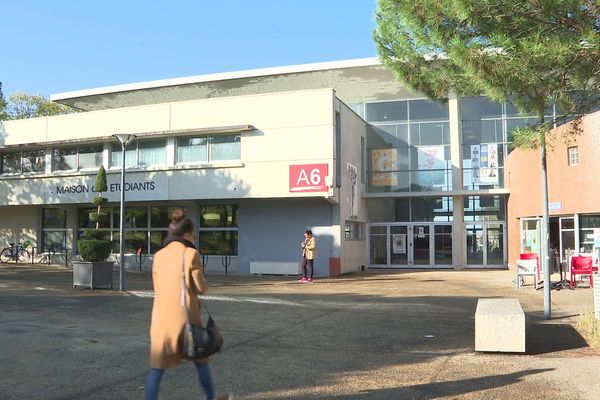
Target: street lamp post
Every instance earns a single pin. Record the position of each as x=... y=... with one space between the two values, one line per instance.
x=124 y=139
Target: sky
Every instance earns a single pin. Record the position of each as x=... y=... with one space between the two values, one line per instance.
x=58 y=46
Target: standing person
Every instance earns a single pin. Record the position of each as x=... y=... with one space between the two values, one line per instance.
x=168 y=313
x=309 y=253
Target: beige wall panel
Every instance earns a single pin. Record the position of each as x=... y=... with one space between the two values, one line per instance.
x=19 y=223
x=31 y=130
x=296 y=144
x=109 y=122
x=291 y=109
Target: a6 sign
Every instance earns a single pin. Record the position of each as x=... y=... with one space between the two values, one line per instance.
x=308 y=177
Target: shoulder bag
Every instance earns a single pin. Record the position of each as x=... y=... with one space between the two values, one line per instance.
x=198 y=341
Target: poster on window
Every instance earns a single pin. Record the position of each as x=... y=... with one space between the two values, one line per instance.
x=431 y=165
x=385 y=163
x=484 y=163
x=399 y=243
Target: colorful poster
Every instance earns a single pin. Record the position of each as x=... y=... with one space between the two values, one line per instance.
x=489 y=168
x=385 y=163
x=432 y=165
x=475 y=163
x=484 y=163
x=399 y=243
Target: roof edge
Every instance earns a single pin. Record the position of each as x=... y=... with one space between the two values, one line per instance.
x=288 y=69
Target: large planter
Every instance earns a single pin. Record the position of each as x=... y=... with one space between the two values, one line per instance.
x=93 y=274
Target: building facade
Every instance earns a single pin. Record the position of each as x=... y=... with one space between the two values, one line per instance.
x=384 y=177
x=574 y=209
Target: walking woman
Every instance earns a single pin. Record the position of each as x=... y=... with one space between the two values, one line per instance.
x=309 y=253
x=168 y=314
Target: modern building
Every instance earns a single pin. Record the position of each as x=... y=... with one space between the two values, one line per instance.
x=384 y=177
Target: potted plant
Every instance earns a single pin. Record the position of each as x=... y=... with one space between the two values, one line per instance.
x=93 y=247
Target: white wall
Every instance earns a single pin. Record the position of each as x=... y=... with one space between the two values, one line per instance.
x=18 y=224
x=353 y=252
x=291 y=128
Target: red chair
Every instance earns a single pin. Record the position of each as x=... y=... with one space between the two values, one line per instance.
x=581 y=265
x=532 y=256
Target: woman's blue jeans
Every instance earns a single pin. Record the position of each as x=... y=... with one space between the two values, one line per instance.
x=155 y=375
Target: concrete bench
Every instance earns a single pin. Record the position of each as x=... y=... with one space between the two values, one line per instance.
x=499 y=326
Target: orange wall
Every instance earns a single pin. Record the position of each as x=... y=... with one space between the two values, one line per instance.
x=576 y=187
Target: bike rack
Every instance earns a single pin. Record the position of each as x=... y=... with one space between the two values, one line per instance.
x=139 y=257
x=226 y=261
x=204 y=260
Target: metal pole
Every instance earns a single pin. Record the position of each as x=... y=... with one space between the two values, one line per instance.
x=122 y=223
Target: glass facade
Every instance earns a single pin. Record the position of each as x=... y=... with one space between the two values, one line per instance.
x=32 y=161
x=218 y=230
x=408 y=146
x=54 y=230
x=409 y=209
x=208 y=149
x=145 y=226
x=77 y=157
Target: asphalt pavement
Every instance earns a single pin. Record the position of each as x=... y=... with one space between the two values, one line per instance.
x=371 y=335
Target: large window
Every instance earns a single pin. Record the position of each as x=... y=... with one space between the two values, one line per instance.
x=208 y=149
x=408 y=146
x=33 y=161
x=143 y=153
x=485 y=208
x=218 y=231
x=414 y=209
x=145 y=227
x=54 y=229
x=77 y=157
x=587 y=225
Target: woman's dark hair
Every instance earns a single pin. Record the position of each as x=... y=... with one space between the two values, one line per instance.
x=308 y=232
x=180 y=223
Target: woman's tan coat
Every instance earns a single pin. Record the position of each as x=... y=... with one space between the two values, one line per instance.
x=168 y=315
x=310 y=250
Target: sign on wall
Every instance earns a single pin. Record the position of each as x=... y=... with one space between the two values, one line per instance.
x=308 y=178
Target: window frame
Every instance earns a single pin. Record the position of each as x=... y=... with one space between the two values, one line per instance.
x=237 y=138
x=573 y=155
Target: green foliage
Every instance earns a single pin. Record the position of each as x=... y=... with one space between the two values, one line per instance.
x=22 y=105
x=530 y=53
x=101 y=185
x=99 y=201
x=97 y=216
x=93 y=250
x=3 y=114
x=94 y=246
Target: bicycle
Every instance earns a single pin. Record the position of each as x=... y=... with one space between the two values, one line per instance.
x=16 y=252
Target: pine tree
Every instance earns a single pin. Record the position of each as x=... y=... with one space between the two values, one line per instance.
x=532 y=53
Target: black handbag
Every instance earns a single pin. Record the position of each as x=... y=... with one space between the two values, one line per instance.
x=198 y=341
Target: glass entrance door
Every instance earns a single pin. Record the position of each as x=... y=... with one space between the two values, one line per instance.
x=410 y=245
x=399 y=245
x=486 y=245
x=421 y=239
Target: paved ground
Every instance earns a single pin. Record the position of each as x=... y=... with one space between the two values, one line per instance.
x=372 y=335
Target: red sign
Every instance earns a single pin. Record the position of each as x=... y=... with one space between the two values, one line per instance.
x=308 y=178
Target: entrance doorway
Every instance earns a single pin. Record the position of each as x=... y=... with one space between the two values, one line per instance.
x=486 y=244
x=410 y=245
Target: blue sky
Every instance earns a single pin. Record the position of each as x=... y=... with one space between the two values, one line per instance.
x=63 y=45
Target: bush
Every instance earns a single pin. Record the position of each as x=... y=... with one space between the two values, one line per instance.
x=94 y=249
x=589 y=327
